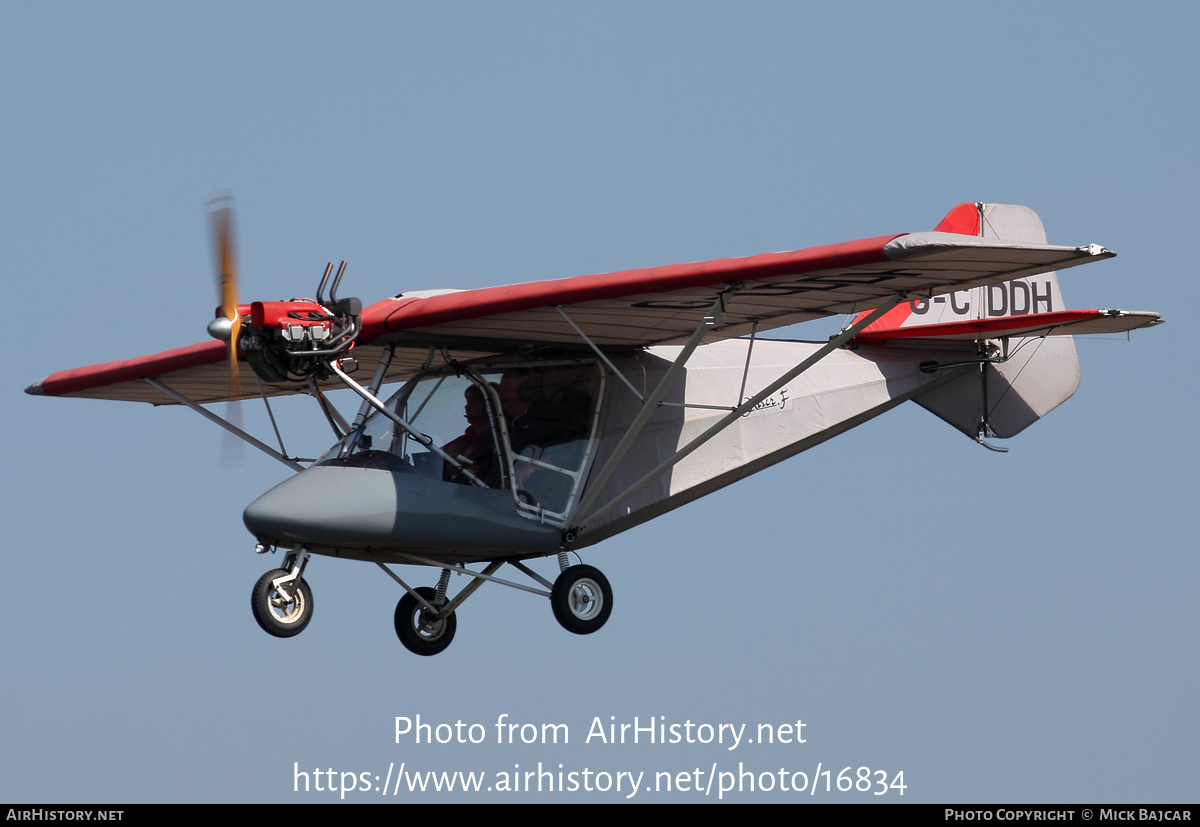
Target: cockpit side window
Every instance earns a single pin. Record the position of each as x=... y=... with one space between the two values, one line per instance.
x=436 y=406
x=531 y=429
x=549 y=417
x=477 y=449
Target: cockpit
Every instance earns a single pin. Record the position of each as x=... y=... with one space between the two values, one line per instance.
x=527 y=428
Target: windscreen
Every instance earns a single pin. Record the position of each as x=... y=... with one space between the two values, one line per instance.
x=529 y=428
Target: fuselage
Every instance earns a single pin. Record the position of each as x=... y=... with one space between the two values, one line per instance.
x=387 y=500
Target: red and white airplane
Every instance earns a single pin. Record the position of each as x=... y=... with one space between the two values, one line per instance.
x=595 y=403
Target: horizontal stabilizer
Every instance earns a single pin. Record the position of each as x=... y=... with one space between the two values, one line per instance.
x=1060 y=323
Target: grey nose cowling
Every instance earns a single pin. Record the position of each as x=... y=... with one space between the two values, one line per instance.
x=370 y=508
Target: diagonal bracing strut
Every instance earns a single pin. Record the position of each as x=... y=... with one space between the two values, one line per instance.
x=651 y=402
x=600 y=353
x=478 y=578
x=233 y=429
x=727 y=420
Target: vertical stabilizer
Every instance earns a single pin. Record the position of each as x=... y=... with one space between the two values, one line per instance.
x=1040 y=374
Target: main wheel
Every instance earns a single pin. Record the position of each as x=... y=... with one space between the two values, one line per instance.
x=582 y=599
x=279 y=615
x=423 y=633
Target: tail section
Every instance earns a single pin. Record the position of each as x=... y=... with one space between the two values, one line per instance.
x=1020 y=297
x=1041 y=371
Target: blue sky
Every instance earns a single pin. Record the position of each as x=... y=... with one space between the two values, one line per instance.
x=1001 y=628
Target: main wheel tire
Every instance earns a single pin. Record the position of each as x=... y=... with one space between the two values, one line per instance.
x=277 y=615
x=581 y=599
x=418 y=634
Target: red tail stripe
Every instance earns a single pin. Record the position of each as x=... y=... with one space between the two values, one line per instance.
x=963 y=219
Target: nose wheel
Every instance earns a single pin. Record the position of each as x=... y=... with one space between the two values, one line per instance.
x=282 y=604
x=581 y=599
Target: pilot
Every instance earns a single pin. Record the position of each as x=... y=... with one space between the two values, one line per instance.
x=476 y=448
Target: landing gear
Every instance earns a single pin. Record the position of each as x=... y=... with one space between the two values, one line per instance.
x=581 y=599
x=425 y=619
x=421 y=631
x=282 y=605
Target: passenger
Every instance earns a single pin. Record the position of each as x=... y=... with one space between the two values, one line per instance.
x=476 y=446
x=537 y=421
x=516 y=393
x=567 y=415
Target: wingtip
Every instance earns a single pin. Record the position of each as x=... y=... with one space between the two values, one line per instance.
x=1098 y=250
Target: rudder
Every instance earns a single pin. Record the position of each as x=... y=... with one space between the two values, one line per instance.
x=1041 y=372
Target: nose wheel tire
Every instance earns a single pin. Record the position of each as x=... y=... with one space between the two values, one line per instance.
x=581 y=599
x=282 y=613
x=421 y=632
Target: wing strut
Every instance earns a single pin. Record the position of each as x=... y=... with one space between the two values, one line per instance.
x=267 y=402
x=335 y=419
x=233 y=429
x=601 y=354
x=746 y=370
x=651 y=403
x=381 y=369
x=638 y=393
x=834 y=343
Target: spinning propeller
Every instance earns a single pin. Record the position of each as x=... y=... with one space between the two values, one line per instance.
x=285 y=342
x=228 y=325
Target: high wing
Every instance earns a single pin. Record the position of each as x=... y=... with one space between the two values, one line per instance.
x=638 y=308
x=201 y=372
x=625 y=310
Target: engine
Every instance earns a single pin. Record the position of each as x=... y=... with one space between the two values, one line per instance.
x=290 y=341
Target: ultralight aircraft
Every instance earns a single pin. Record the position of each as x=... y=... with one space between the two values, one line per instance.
x=596 y=403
